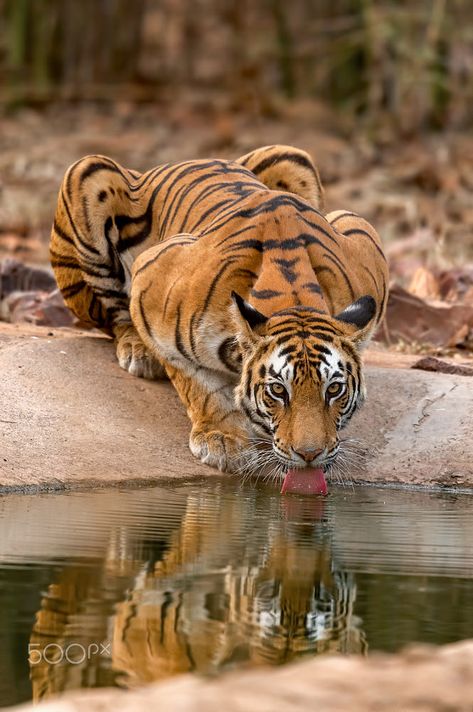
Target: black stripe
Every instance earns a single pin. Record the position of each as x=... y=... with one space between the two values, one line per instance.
x=265 y=293
x=192 y=335
x=127 y=242
x=173 y=204
x=348 y=346
x=168 y=295
x=213 y=209
x=235 y=191
x=94 y=270
x=213 y=285
x=87 y=246
x=311 y=239
x=107 y=163
x=324 y=336
x=316 y=328
x=85 y=210
x=312 y=287
x=242 y=272
x=249 y=376
x=72 y=289
x=97 y=312
x=208 y=170
x=115 y=267
x=250 y=415
x=276 y=158
x=290 y=350
x=234 y=234
x=259 y=412
x=148 y=176
x=250 y=244
x=146 y=217
x=286 y=268
x=178 y=337
x=71 y=263
x=343 y=215
x=225 y=353
x=342 y=271
x=60 y=261
x=206 y=192
x=144 y=319
x=319 y=270
x=268 y=206
x=384 y=298
x=358 y=231
x=153 y=173
x=60 y=232
x=373 y=278
x=320 y=349
x=97 y=166
x=162 y=252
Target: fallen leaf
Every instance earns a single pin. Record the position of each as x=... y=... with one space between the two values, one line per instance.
x=430 y=363
x=424 y=284
x=39 y=308
x=414 y=320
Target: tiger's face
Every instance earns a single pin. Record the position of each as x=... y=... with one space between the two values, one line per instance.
x=301 y=378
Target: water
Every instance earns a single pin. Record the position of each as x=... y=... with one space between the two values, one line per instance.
x=125 y=587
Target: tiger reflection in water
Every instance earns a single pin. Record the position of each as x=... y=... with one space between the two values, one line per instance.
x=201 y=600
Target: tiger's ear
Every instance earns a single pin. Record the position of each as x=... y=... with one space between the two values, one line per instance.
x=359 y=315
x=250 y=321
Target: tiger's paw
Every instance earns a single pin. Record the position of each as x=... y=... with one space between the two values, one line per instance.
x=217 y=449
x=134 y=357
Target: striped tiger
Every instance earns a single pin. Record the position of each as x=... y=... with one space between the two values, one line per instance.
x=227 y=278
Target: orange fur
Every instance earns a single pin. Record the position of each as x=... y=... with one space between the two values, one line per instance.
x=154 y=258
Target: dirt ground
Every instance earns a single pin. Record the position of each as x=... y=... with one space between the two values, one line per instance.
x=415 y=190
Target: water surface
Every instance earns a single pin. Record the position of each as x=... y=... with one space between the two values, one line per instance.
x=124 y=587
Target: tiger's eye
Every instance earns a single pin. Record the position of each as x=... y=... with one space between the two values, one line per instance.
x=276 y=389
x=334 y=389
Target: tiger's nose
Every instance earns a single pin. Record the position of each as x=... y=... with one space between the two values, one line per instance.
x=308 y=455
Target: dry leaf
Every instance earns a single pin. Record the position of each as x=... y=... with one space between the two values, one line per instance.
x=39 y=308
x=413 y=320
x=424 y=284
x=429 y=363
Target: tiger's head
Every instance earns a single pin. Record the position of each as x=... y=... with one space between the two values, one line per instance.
x=302 y=377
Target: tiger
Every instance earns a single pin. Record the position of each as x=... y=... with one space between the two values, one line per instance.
x=227 y=278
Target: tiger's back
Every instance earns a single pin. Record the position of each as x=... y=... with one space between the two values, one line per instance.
x=107 y=215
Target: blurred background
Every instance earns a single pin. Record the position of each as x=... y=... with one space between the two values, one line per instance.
x=380 y=92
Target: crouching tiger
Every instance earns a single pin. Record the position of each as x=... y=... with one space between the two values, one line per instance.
x=227 y=278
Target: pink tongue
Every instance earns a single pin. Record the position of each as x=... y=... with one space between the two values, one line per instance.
x=306 y=481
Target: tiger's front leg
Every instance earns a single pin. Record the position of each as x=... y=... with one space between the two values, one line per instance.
x=220 y=432
x=166 y=284
x=133 y=356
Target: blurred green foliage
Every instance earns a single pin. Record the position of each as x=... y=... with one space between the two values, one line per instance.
x=408 y=62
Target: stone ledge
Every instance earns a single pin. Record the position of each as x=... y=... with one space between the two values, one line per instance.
x=421 y=679
x=70 y=417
